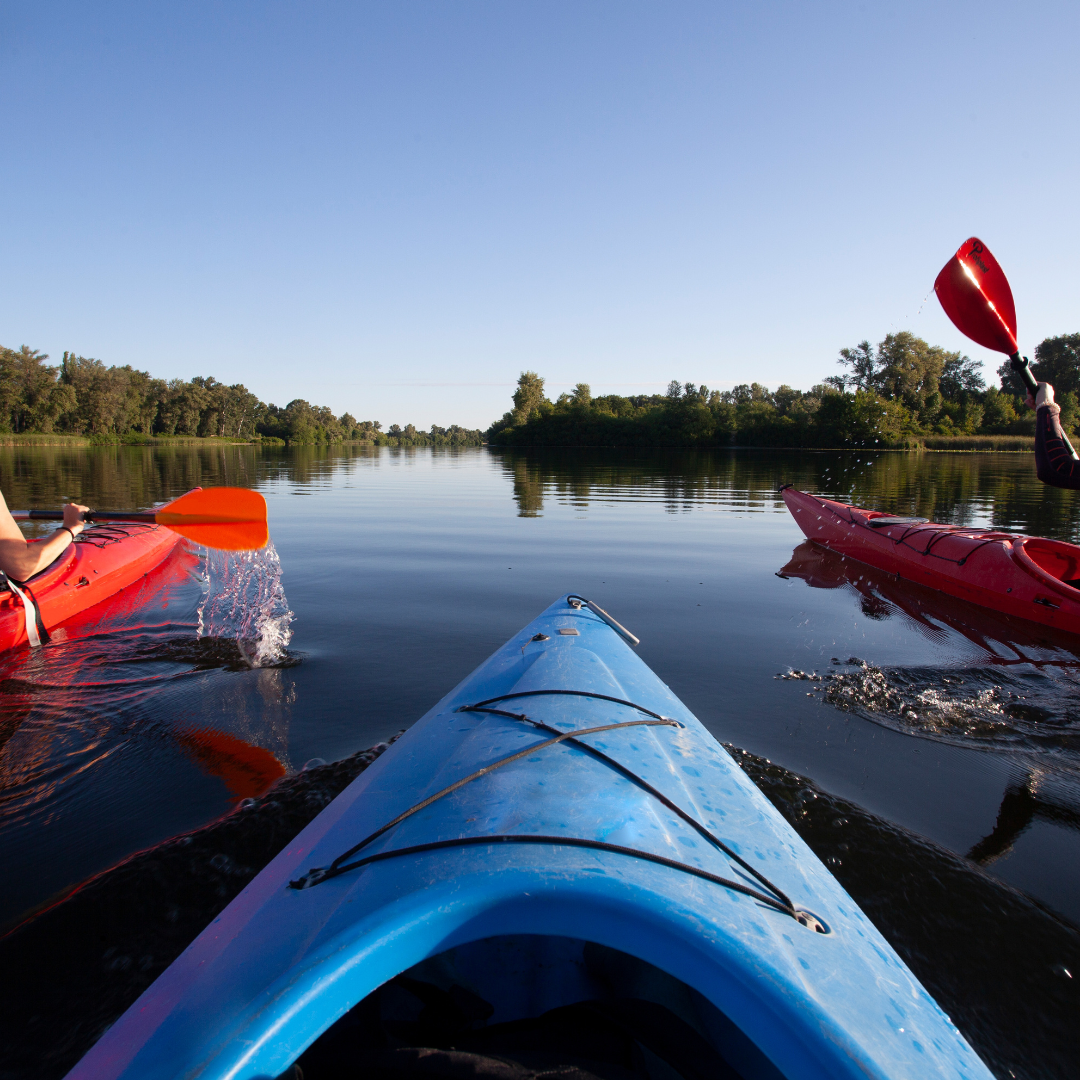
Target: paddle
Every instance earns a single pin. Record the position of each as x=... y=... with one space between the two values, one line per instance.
x=228 y=519
x=975 y=294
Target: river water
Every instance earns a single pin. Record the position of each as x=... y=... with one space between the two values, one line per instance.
x=400 y=571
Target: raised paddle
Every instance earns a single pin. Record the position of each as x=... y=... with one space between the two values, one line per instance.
x=975 y=294
x=225 y=518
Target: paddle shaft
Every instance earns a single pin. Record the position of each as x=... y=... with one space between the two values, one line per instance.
x=1022 y=366
x=89 y=517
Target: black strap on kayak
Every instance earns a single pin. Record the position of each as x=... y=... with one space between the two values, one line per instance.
x=803 y=917
x=634 y=778
x=36 y=634
x=778 y=900
x=570 y=693
x=105 y=534
x=337 y=867
x=937 y=533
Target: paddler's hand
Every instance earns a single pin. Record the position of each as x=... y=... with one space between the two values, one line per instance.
x=1045 y=396
x=73 y=517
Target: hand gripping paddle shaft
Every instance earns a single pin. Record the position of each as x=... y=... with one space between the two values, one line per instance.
x=229 y=519
x=975 y=294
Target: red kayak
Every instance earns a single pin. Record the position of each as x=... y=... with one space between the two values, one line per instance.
x=103 y=560
x=1025 y=576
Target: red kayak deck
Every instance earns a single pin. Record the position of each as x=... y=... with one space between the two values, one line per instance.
x=102 y=561
x=1025 y=576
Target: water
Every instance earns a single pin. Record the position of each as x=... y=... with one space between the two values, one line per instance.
x=400 y=571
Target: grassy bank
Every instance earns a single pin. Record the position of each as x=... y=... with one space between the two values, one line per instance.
x=124 y=440
x=421 y=440
x=1012 y=443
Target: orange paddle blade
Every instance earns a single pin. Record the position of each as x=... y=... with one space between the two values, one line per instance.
x=229 y=519
x=226 y=535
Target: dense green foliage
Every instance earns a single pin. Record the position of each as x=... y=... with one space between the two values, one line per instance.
x=84 y=397
x=895 y=394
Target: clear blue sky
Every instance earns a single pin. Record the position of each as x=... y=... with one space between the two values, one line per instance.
x=395 y=207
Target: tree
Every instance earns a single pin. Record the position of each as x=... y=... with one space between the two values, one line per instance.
x=1057 y=361
x=528 y=397
x=30 y=399
x=999 y=413
x=864 y=367
x=909 y=371
x=300 y=421
x=582 y=394
x=961 y=377
x=101 y=405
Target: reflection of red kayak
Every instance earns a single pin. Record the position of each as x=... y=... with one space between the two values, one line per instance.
x=1025 y=576
x=104 y=560
x=882 y=595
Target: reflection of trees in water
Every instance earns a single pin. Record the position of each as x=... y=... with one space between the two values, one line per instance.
x=998 y=489
x=120 y=476
x=129 y=477
x=528 y=480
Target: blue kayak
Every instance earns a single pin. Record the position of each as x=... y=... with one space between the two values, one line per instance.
x=556 y=872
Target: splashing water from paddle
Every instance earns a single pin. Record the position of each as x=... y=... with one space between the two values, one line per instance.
x=244 y=601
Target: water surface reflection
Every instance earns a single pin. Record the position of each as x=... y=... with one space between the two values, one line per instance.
x=407 y=568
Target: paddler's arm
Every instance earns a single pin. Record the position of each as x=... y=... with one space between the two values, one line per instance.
x=20 y=560
x=1054 y=463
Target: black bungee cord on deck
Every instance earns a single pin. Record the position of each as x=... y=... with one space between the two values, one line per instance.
x=778 y=900
x=935 y=532
x=107 y=533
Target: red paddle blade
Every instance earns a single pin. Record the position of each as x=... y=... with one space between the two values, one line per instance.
x=975 y=294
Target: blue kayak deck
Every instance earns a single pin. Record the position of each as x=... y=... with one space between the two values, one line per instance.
x=281 y=964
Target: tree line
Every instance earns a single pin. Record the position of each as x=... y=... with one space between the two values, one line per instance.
x=885 y=395
x=82 y=396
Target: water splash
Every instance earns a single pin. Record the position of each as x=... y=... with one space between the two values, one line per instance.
x=1029 y=710
x=244 y=601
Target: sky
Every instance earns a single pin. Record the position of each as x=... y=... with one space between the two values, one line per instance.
x=394 y=208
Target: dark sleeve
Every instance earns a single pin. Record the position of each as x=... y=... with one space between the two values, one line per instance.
x=1054 y=460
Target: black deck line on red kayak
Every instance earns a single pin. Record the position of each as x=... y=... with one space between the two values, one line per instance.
x=103 y=535
x=939 y=532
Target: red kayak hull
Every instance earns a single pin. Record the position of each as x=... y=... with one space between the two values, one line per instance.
x=1023 y=576
x=105 y=560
